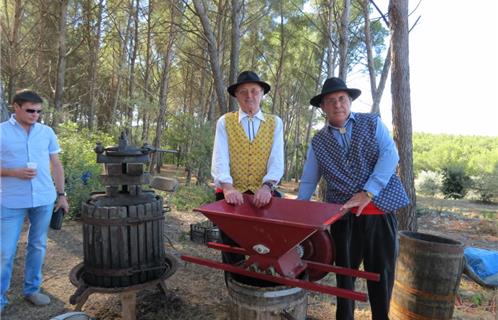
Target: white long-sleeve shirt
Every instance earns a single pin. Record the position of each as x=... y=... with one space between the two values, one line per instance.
x=220 y=163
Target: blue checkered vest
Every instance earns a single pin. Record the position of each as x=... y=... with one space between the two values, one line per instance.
x=347 y=173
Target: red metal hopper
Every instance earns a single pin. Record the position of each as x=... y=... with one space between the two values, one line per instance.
x=270 y=237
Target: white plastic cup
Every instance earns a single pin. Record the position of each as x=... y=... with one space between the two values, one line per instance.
x=32 y=165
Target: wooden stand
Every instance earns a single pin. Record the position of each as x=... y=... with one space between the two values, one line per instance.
x=128 y=294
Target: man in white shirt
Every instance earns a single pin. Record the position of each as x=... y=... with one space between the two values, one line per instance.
x=243 y=160
x=248 y=153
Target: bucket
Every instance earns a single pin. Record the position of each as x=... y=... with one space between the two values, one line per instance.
x=428 y=272
x=266 y=303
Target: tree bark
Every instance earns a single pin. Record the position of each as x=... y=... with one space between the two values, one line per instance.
x=61 y=65
x=131 y=79
x=12 y=32
x=235 y=49
x=331 y=46
x=344 y=41
x=213 y=55
x=402 y=122
x=164 y=90
x=93 y=42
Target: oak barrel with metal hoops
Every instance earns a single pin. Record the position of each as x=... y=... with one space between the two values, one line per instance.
x=427 y=277
x=122 y=244
x=266 y=303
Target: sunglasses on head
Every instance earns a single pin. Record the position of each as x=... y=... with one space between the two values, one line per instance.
x=33 y=111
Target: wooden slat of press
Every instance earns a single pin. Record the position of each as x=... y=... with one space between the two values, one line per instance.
x=149 y=241
x=134 y=244
x=155 y=237
x=114 y=244
x=88 y=240
x=124 y=245
x=106 y=248
x=142 y=243
x=161 y=229
x=97 y=230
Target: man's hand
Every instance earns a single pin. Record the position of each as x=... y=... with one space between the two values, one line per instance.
x=262 y=197
x=359 y=200
x=62 y=203
x=25 y=173
x=232 y=195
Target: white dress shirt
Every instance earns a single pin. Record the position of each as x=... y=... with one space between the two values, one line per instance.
x=220 y=164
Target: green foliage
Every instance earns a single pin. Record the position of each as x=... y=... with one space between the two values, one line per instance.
x=428 y=183
x=459 y=157
x=477 y=299
x=486 y=185
x=190 y=197
x=79 y=160
x=455 y=182
x=194 y=138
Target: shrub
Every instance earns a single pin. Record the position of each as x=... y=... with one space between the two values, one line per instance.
x=190 y=197
x=82 y=173
x=486 y=186
x=455 y=182
x=428 y=183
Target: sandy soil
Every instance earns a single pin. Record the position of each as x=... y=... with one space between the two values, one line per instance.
x=196 y=292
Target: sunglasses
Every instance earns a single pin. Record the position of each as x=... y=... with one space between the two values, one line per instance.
x=33 y=111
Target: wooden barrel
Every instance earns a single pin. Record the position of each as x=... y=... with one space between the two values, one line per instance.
x=122 y=245
x=266 y=303
x=427 y=277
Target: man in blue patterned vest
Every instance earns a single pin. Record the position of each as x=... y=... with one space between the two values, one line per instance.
x=357 y=157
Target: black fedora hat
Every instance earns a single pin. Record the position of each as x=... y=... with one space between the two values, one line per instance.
x=332 y=85
x=246 y=77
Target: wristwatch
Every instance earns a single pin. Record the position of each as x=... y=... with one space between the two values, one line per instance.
x=61 y=194
x=270 y=185
x=369 y=194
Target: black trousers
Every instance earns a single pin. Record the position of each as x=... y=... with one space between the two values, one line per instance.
x=235 y=258
x=371 y=239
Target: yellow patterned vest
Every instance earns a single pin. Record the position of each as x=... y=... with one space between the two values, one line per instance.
x=248 y=160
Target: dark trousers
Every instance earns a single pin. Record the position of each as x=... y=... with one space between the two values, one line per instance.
x=371 y=239
x=235 y=258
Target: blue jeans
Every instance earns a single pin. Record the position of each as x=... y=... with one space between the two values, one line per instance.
x=11 y=223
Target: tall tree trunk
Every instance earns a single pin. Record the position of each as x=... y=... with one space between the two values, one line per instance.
x=402 y=122
x=235 y=47
x=331 y=45
x=131 y=80
x=164 y=90
x=61 y=64
x=213 y=55
x=277 y=101
x=377 y=90
x=382 y=83
x=146 y=84
x=4 y=110
x=125 y=36
x=344 y=40
x=13 y=47
x=93 y=42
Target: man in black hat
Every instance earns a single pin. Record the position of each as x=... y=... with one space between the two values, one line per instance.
x=357 y=157
x=248 y=152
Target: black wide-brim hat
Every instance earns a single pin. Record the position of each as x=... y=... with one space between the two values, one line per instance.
x=332 y=85
x=246 y=77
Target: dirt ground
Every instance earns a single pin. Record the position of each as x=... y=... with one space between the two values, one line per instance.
x=196 y=292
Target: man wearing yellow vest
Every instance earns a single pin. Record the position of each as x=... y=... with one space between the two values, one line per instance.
x=248 y=152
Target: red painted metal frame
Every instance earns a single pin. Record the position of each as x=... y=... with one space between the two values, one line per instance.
x=278 y=228
x=343 y=293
